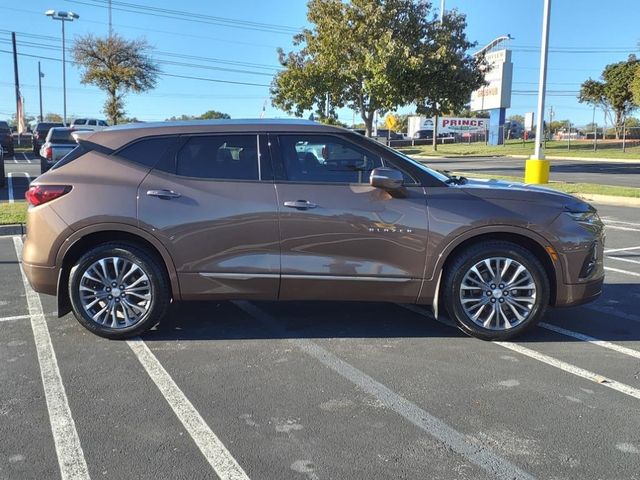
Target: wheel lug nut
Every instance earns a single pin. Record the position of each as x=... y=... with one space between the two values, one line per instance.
x=501 y=285
x=108 y=289
x=114 y=284
x=110 y=297
x=117 y=299
x=493 y=300
x=502 y=300
x=489 y=292
x=121 y=287
x=505 y=293
x=493 y=285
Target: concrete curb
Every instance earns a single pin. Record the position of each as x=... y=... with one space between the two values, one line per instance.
x=610 y=200
x=9 y=230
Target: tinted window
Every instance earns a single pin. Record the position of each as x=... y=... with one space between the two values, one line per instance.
x=147 y=151
x=44 y=127
x=311 y=158
x=60 y=135
x=102 y=123
x=80 y=121
x=92 y=122
x=4 y=126
x=226 y=157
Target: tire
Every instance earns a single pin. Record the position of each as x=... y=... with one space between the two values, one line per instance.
x=464 y=298
x=142 y=312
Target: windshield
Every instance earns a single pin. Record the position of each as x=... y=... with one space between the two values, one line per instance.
x=435 y=173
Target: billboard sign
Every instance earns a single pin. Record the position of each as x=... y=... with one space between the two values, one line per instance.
x=499 y=75
x=528 y=121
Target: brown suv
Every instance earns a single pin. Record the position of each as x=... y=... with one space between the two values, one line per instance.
x=139 y=216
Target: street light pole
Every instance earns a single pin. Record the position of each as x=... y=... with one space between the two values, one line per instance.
x=64 y=78
x=63 y=17
x=537 y=168
x=40 y=75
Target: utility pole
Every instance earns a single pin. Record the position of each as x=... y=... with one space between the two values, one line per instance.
x=551 y=112
x=595 y=130
x=40 y=76
x=15 y=73
x=537 y=168
x=435 y=117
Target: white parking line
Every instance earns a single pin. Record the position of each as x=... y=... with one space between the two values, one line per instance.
x=15 y=317
x=614 y=312
x=209 y=444
x=26 y=158
x=625 y=229
x=567 y=367
x=626 y=249
x=497 y=466
x=73 y=465
x=607 y=221
x=10 y=176
x=595 y=341
x=620 y=259
x=626 y=272
x=554 y=362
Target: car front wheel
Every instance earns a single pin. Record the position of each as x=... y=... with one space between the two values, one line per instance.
x=496 y=290
x=118 y=291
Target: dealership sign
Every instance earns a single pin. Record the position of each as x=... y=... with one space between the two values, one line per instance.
x=497 y=92
x=462 y=125
x=449 y=125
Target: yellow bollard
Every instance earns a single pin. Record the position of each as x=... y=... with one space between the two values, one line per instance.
x=536 y=171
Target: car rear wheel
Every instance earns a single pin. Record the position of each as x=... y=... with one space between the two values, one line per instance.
x=496 y=290
x=118 y=291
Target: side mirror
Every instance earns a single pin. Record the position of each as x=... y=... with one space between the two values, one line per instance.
x=386 y=178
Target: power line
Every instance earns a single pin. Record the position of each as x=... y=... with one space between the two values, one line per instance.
x=191 y=17
x=161 y=74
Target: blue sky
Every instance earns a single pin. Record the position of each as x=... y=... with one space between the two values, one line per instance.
x=585 y=36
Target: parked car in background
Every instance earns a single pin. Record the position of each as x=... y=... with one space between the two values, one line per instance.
x=94 y=124
x=6 y=139
x=423 y=134
x=40 y=134
x=58 y=143
x=139 y=216
x=388 y=134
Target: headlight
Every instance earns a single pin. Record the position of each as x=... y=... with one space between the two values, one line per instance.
x=591 y=217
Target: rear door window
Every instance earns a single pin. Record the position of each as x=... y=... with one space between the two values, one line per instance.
x=219 y=157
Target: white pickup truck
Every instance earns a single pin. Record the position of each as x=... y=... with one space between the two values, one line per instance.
x=58 y=143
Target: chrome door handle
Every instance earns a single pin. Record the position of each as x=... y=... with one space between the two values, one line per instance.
x=163 y=194
x=300 y=204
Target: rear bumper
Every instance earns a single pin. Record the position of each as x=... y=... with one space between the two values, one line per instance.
x=570 y=295
x=42 y=279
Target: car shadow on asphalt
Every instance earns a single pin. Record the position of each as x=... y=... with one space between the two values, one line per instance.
x=612 y=318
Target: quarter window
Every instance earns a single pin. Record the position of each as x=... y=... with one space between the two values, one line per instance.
x=316 y=158
x=148 y=150
x=220 y=157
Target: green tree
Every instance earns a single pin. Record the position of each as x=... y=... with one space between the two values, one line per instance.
x=117 y=66
x=557 y=125
x=377 y=55
x=516 y=118
x=208 y=115
x=214 y=115
x=614 y=93
x=53 y=117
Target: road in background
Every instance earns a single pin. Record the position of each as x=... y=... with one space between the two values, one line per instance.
x=576 y=171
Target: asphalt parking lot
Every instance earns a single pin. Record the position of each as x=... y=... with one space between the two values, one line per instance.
x=244 y=390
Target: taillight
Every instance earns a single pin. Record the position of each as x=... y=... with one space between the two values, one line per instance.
x=39 y=194
x=48 y=153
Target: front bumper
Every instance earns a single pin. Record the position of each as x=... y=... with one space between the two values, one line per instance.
x=570 y=295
